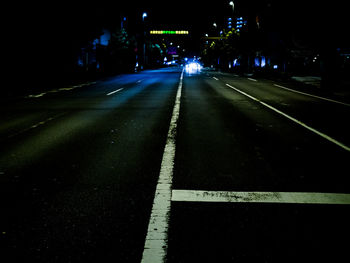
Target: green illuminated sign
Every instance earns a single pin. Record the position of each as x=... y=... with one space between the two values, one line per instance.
x=168 y=32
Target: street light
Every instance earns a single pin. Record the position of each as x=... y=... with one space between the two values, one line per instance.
x=233 y=5
x=144 y=15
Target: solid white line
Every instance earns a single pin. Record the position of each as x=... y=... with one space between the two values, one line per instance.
x=242 y=92
x=325 y=136
x=114 y=91
x=260 y=197
x=155 y=248
x=307 y=94
x=215 y=78
x=252 y=79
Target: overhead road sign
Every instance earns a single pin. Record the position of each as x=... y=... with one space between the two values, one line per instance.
x=169 y=32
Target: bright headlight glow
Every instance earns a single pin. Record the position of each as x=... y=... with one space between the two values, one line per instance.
x=193 y=67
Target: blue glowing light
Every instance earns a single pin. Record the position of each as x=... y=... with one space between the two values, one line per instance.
x=257 y=62
x=105 y=38
x=80 y=62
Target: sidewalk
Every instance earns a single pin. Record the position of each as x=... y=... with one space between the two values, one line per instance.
x=313 y=83
x=309 y=80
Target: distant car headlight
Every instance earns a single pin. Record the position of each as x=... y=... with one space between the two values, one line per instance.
x=193 y=67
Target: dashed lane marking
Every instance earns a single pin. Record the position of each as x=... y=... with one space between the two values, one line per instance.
x=61 y=89
x=37 y=125
x=155 y=249
x=311 y=95
x=260 y=197
x=113 y=92
x=252 y=79
x=325 y=136
x=215 y=78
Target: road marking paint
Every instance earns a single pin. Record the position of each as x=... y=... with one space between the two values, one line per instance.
x=37 y=95
x=242 y=92
x=311 y=95
x=325 y=136
x=83 y=85
x=108 y=94
x=139 y=81
x=155 y=248
x=252 y=79
x=37 y=125
x=260 y=197
x=61 y=89
x=70 y=88
x=215 y=78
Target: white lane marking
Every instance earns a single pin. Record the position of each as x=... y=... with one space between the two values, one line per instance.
x=108 y=94
x=325 y=136
x=307 y=94
x=242 y=92
x=215 y=78
x=155 y=248
x=260 y=197
x=252 y=79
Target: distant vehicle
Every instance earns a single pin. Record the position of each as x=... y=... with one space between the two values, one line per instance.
x=193 y=67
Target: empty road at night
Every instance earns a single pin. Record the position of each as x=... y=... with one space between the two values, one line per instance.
x=174 y=166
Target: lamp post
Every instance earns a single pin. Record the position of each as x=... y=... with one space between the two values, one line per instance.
x=144 y=15
x=233 y=5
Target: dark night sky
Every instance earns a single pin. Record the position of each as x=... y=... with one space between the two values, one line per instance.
x=37 y=29
x=78 y=17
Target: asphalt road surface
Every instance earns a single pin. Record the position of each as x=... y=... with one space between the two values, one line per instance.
x=174 y=166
